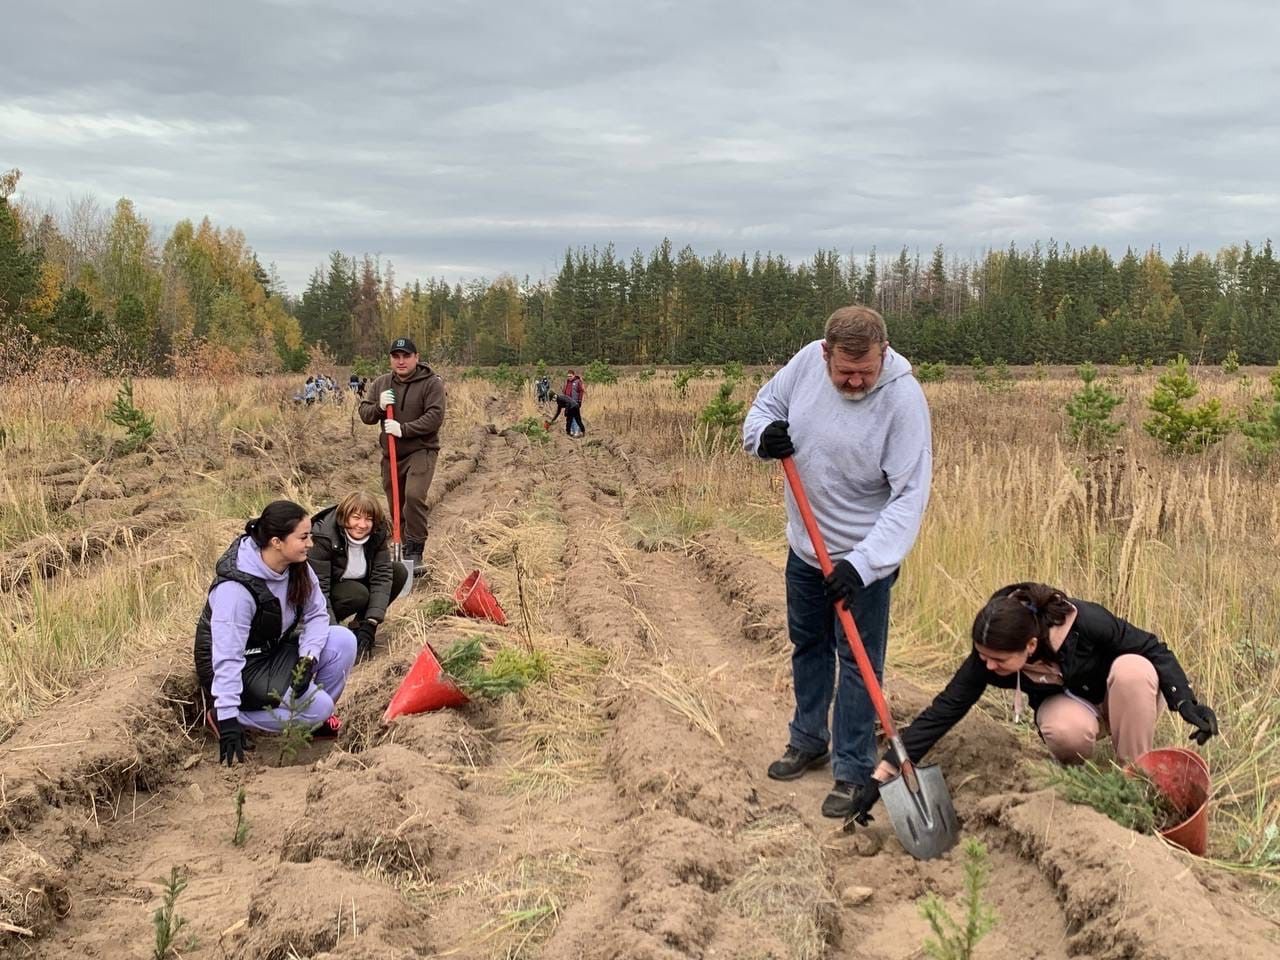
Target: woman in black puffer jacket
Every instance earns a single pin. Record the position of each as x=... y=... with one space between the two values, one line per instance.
x=353 y=563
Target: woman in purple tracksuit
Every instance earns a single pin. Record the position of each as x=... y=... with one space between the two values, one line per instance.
x=265 y=653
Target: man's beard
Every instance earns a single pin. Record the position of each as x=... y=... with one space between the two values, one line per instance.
x=852 y=394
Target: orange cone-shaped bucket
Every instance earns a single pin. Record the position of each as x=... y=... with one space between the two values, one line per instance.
x=475 y=600
x=426 y=688
x=1182 y=776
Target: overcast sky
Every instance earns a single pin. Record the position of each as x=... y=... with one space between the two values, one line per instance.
x=468 y=139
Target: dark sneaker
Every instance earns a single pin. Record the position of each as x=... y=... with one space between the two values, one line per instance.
x=839 y=802
x=328 y=730
x=795 y=762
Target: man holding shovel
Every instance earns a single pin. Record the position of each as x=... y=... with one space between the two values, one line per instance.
x=848 y=411
x=409 y=401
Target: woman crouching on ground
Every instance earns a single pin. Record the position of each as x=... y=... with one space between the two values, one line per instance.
x=353 y=565
x=1083 y=670
x=266 y=655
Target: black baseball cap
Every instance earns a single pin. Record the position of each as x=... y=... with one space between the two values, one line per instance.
x=402 y=345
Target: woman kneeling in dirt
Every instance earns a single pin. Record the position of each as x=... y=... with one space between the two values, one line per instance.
x=1081 y=667
x=265 y=652
x=354 y=566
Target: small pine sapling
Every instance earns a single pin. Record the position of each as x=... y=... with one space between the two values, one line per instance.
x=166 y=921
x=137 y=425
x=296 y=732
x=242 y=822
x=956 y=940
x=1179 y=429
x=1090 y=410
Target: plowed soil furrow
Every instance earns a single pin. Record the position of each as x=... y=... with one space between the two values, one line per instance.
x=618 y=810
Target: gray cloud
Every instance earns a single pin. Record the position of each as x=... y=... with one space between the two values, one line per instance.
x=459 y=140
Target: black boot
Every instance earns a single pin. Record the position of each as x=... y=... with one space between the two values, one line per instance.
x=795 y=762
x=413 y=554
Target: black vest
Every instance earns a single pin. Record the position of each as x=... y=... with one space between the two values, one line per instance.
x=264 y=631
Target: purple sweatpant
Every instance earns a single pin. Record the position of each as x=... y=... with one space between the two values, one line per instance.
x=332 y=666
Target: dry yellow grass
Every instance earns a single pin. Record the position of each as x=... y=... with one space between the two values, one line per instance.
x=1186 y=547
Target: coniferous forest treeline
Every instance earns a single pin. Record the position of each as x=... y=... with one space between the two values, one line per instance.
x=105 y=285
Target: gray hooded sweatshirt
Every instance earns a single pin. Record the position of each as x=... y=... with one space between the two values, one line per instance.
x=866 y=464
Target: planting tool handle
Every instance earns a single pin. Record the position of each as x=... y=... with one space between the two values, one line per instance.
x=395 y=485
x=846 y=618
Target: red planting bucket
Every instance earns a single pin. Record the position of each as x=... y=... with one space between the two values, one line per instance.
x=1182 y=776
x=475 y=600
x=426 y=688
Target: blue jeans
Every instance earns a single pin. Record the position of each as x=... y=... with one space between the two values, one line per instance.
x=818 y=643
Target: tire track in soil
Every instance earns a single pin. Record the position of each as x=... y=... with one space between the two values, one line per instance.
x=104 y=794
x=1111 y=887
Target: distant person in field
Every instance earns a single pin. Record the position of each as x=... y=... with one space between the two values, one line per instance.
x=353 y=564
x=855 y=420
x=573 y=425
x=416 y=394
x=265 y=652
x=574 y=388
x=309 y=391
x=1083 y=670
x=353 y=382
x=543 y=387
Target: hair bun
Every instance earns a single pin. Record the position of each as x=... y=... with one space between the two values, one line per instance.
x=251 y=527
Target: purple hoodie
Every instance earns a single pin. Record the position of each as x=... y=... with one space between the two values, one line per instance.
x=233 y=607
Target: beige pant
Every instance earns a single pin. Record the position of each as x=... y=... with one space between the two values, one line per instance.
x=1130 y=710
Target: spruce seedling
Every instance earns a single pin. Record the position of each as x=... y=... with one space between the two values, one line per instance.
x=137 y=425
x=957 y=940
x=166 y=920
x=242 y=822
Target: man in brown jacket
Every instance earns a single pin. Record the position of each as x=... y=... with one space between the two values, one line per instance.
x=416 y=395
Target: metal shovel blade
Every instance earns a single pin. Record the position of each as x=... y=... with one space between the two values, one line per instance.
x=397 y=556
x=924 y=819
x=408 y=580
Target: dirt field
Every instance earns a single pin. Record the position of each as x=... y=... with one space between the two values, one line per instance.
x=619 y=810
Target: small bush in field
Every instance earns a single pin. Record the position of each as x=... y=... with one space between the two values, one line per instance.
x=1090 y=410
x=599 y=372
x=1231 y=363
x=1183 y=430
x=927 y=372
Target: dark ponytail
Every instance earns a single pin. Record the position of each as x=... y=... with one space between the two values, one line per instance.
x=279 y=519
x=1018 y=612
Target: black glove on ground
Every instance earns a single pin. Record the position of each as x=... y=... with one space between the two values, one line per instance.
x=364 y=639
x=775 y=441
x=303 y=672
x=1202 y=718
x=230 y=741
x=864 y=798
x=843 y=583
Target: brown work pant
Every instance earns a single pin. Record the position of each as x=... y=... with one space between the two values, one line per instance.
x=415 y=470
x=1130 y=710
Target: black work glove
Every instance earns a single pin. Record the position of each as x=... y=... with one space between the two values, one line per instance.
x=864 y=798
x=303 y=671
x=1202 y=718
x=775 y=441
x=364 y=639
x=230 y=741
x=843 y=583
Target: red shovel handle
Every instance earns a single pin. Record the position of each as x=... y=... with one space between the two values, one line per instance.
x=846 y=618
x=395 y=480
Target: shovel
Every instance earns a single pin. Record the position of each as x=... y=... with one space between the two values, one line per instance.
x=917 y=800
x=397 y=549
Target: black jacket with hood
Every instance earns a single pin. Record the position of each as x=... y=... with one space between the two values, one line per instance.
x=419 y=409
x=328 y=558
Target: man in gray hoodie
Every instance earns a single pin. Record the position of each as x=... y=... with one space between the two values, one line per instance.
x=855 y=420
